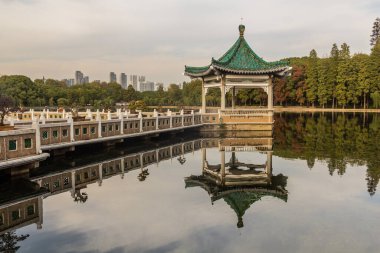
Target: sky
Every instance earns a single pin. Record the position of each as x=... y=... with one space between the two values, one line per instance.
x=156 y=38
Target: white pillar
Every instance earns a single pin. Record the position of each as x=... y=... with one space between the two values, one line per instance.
x=155 y=114
x=109 y=116
x=89 y=114
x=36 y=126
x=182 y=117
x=71 y=121
x=270 y=94
x=121 y=117
x=43 y=119
x=223 y=95
x=203 y=97
x=141 y=121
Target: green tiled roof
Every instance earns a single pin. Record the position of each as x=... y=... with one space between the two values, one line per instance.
x=240 y=59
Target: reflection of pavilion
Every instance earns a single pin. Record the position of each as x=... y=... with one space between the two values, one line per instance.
x=240 y=184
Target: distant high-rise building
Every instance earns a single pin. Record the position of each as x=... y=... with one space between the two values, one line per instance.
x=141 y=79
x=112 y=77
x=123 y=80
x=78 y=77
x=133 y=80
x=69 y=82
x=146 y=86
x=85 y=79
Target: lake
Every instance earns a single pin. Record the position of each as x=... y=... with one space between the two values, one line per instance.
x=310 y=188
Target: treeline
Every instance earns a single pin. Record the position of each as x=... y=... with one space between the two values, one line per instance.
x=40 y=93
x=340 y=80
x=337 y=139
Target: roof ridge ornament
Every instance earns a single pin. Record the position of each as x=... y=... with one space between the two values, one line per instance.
x=241 y=30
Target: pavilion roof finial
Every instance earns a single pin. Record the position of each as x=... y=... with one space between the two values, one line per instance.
x=241 y=30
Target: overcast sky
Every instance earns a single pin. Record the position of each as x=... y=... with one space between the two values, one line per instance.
x=157 y=38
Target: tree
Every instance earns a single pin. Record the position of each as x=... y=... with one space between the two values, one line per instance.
x=376 y=99
x=312 y=77
x=6 y=106
x=344 y=75
x=333 y=71
x=20 y=88
x=324 y=90
x=363 y=78
x=9 y=240
x=375 y=32
x=174 y=95
x=374 y=68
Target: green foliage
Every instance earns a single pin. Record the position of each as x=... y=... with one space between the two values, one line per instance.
x=375 y=32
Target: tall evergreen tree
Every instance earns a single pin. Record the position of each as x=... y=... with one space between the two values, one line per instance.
x=344 y=75
x=363 y=78
x=312 y=77
x=324 y=91
x=375 y=32
x=333 y=71
x=374 y=68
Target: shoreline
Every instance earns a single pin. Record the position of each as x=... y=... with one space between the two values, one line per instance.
x=278 y=109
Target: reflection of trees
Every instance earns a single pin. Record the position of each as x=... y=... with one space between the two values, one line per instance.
x=9 y=240
x=80 y=197
x=143 y=175
x=339 y=140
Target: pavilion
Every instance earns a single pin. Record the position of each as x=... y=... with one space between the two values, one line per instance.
x=239 y=68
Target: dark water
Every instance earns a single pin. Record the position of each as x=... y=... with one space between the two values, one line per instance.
x=315 y=191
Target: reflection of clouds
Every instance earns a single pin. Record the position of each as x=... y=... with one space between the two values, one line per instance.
x=323 y=214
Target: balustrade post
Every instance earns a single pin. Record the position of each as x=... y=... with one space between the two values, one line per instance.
x=43 y=119
x=121 y=117
x=141 y=122
x=71 y=121
x=193 y=117
x=155 y=114
x=169 y=113
x=99 y=120
x=36 y=126
x=182 y=117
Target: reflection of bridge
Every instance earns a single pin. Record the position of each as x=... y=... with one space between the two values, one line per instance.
x=26 y=207
x=240 y=184
x=21 y=200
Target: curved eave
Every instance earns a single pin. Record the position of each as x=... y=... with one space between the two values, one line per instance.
x=198 y=73
x=275 y=70
x=279 y=71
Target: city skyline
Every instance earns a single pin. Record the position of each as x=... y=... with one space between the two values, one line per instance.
x=160 y=43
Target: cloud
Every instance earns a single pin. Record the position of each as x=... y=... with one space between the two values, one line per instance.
x=132 y=36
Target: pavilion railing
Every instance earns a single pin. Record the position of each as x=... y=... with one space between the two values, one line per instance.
x=255 y=112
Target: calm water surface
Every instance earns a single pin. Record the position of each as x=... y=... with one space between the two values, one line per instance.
x=315 y=191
